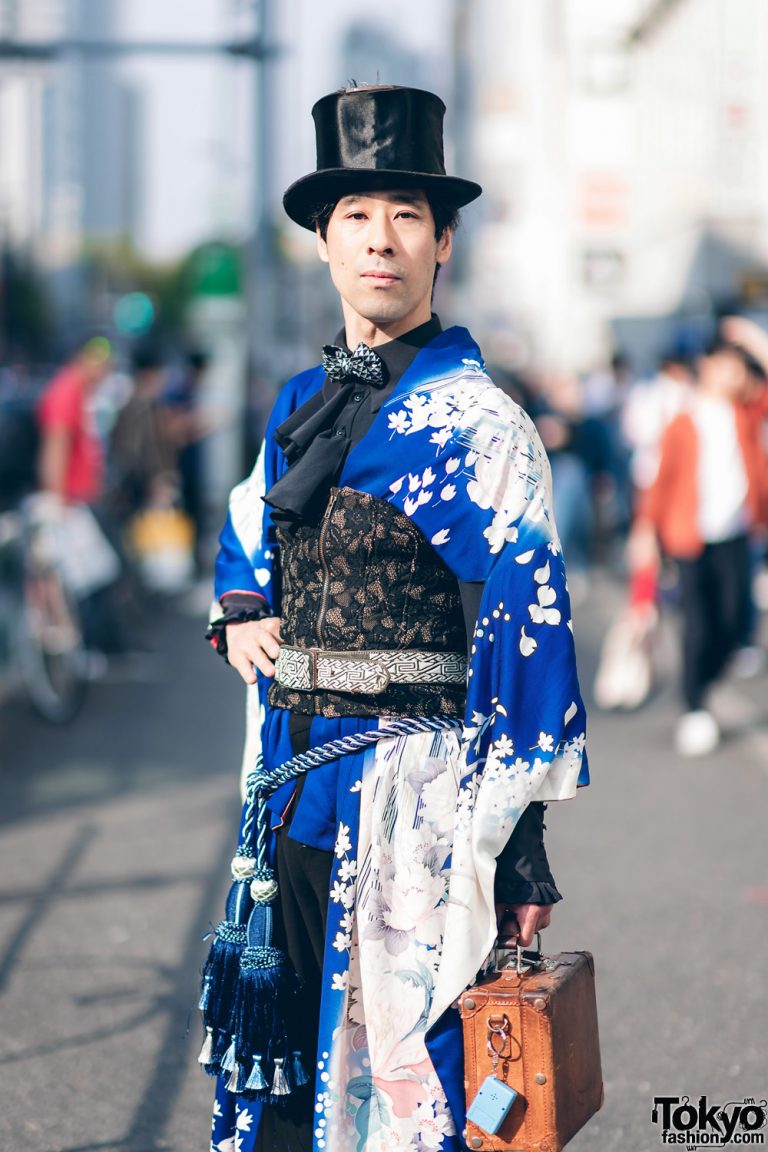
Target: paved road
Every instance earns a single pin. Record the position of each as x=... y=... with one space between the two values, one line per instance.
x=114 y=842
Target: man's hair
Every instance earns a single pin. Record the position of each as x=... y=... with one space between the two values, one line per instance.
x=446 y=215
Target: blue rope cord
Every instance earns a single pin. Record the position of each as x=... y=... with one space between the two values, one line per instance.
x=269 y=780
x=262 y=782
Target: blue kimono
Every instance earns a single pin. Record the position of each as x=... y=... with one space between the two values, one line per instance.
x=416 y=823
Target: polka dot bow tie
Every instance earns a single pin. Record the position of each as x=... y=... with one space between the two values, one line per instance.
x=363 y=364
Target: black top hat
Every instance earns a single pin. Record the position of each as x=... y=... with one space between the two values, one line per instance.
x=376 y=138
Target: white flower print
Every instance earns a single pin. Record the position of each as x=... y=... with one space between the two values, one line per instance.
x=542 y=613
x=340 y=981
x=503 y=747
x=439 y=799
x=546 y=742
x=346 y=922
x=342 y=941
x=414 y=482
x=428 y=477
x=399 y=422
x=528 y=644
x=433 y=1127
x=343 y=842
x=452 y=464
x=397 y=485
x=448 y=492
x=441 y=437
x=244 y=1120
x=348 y=870
x=410 y=506
x=499 y=532
x=441 y=537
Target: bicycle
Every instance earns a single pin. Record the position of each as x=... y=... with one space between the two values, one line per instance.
x=41 y=644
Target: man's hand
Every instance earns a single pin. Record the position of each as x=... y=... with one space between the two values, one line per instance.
x=254 y=642
x=519 y=923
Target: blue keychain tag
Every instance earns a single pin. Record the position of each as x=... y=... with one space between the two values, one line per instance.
x=490 y=1107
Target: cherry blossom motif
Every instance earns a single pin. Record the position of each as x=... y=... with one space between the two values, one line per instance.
x=347 y=869
x=525 y=557
x=343 y=842
x=546 y=742
x=441 y=537
x=441 y=437
x=433 y=1126
x=503 y=747
x=500 y=532
x=414 y=482
x=428 y=477
x=399 y=422
x=451 y=465
x=397 y=485
x=448 y=492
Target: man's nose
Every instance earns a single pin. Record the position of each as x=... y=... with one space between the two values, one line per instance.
x=381 y=236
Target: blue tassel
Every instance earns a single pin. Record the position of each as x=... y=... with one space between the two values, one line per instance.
x=256 y=1082
x=264 y=1017
x=298 y=1075
x=222 y=971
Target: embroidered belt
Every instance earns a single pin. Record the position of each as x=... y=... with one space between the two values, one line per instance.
x=369 y=671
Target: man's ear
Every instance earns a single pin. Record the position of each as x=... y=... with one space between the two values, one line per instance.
x=322 y=247
x=444 y=247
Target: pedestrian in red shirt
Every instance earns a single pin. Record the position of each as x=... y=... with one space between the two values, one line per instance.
x=71 y=458
x=71 y=472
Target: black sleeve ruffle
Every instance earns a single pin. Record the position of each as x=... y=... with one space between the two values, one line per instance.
x=523 y=875
x=237 y=608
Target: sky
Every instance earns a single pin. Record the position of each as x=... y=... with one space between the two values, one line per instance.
x=197 y=122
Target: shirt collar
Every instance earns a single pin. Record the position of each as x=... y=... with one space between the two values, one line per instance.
x=398 y=355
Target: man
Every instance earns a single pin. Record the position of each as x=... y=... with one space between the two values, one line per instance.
x=708 y=502
x=142 y=455
x=398 y=515
x=71 y=456
x=71 y=471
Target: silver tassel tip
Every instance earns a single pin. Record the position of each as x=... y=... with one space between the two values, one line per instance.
x=280 y=1083
x=206 y=1052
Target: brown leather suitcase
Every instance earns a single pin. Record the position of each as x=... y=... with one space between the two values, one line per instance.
x=541 y=1022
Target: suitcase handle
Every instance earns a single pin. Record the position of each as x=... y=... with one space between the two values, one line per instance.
x=524 y=959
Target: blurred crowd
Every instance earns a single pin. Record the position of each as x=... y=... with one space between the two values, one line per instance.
x=111 y=454
x=663 y=481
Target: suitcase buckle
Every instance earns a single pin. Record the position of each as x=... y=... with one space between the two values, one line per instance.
x=522 y=961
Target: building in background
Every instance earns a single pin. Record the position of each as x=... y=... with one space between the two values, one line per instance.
x=624 y=153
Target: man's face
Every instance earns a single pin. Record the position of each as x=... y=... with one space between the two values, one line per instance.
x=382 y=252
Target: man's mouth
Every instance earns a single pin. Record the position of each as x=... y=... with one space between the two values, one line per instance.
x=378 y=277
